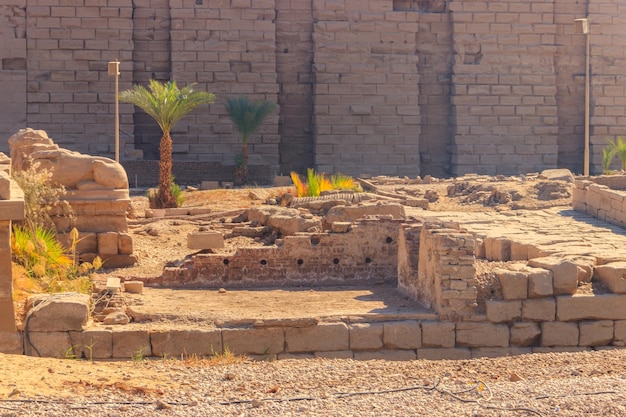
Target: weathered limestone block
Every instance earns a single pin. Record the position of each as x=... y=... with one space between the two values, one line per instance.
x=497 y=248
x=133 y=287
x=503 y=311
x=115 y=318
x=585 y=266
x=253 y=341
x=540 y=283
x=519 y=251
x=366 y=336
x=107 y=244
x=205 y=240
x=438 y=334
x=496 y=352
x=564 y=273
x=131 y=343
x=323 y=337
x=5 y=185
x=95 y=343
x=186 y=342
x=402 y=335
x=124 y=244
x=386 y=355
x=591 y=307
x=359 y=211
x=613 y=275
x=514 y=284
x=539 y=309
x=595 y=333
x=619 y=333
x=469 y=334
x=340 y=227
x=557 y=333
x=337 y=354
x=49 y=344
x=59 y=313
x=525 y=333
x=11 y=342
x=435 y=354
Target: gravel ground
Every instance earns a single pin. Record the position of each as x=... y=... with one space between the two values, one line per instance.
x=549 y=384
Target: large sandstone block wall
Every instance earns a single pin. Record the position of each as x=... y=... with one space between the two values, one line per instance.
x=398 y=87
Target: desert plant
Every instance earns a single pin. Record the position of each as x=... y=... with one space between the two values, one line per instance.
x=616 y=147
x=607 y=157
x=166 y=104
x=317 y=183
x=247 y=116
x=177 y=194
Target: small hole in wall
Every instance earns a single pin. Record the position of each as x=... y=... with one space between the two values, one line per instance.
x=263 y=262
x=368 y=260
x=300 y=261
x=199 y=2
x=336 y=261
x=315 y=240
x=226 y=262
x=389 y=239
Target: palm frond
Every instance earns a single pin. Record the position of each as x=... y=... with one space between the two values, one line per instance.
x=247 y=116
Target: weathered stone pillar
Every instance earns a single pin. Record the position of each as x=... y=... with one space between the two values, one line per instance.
x=11 y=208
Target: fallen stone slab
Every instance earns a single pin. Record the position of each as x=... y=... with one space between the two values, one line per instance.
x=59 y=313
x=205 y=240
x=613 y=275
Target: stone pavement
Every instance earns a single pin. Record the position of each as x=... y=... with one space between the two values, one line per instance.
x=554 y=230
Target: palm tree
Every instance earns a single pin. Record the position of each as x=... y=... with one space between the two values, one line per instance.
x=166 y=104
x=247 y=117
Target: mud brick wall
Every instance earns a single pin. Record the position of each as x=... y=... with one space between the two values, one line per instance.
x=365 y=254
x=69 y=93
x=398 y=87
x=366 y=88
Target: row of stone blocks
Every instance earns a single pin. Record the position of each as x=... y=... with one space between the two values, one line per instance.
x=604 y=198
x=399 y=340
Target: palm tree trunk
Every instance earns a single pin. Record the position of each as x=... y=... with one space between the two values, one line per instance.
x=244 y=163
x=165 y=199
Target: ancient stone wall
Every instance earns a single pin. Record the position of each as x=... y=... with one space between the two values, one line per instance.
x=602 y=197
x=399 y=87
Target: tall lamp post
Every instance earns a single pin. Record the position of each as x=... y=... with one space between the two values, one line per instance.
x=114 y=69
x=582 y=27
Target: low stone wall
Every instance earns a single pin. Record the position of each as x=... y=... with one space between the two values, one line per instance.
x=602 y=197
x=365 y=252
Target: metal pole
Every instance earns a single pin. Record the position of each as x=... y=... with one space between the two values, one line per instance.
x=114 y=69
x=117 y=114
x=587 y=104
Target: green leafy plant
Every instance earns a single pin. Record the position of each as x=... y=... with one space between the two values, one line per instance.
x=317 y=183
x=138 y=357
x=614 y=147
x=166 y=104
x=247 y=116
x=177 y=194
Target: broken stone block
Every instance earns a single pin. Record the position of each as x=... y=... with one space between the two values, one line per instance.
x=59 y=313
x=5 y=186
x=613 y=275
x=514 y=284
x=497 y=248
x=525 y=334
x=564 y=273
x=116 y=317
x=205 y=240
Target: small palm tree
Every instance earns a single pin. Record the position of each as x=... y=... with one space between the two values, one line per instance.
x=166 y=104
x=615 y=147
x=247 y=117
